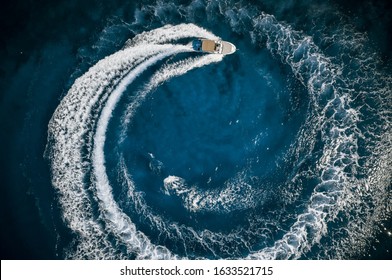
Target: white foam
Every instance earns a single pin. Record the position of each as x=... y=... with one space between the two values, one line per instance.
x=235 y=194
x=169 y=33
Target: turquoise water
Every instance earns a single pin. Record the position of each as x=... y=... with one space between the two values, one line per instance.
x=281 y=150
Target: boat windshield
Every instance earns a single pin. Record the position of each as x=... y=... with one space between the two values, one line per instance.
x=196 y=44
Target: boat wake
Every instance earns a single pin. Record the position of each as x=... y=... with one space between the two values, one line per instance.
x=337 y=169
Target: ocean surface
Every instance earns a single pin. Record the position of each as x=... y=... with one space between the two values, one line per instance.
x=119 y=141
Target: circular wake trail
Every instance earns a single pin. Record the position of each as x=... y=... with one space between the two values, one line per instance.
x=349 y=173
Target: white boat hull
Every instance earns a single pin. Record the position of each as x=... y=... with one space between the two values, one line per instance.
x=213 y=46
x=227 y=48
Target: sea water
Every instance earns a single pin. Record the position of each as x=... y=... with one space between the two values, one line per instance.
x=120 y=141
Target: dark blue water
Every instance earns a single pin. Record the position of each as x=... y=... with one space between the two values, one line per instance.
x=223 y=161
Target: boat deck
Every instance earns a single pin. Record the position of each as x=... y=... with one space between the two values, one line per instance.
x=208 y=46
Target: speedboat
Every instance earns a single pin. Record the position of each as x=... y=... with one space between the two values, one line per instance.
x=213 y=46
